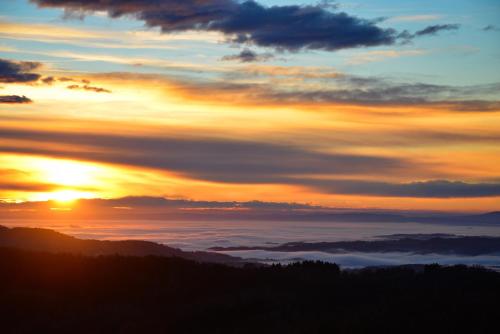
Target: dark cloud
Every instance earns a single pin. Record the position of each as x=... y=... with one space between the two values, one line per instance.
x=147 y=201
x=48 y=80
x=209 y=159
x=89 y=88
x=14 y=99
x=248 y=56
x=296 y=27
x=86 y=82
x=407 y=37
x=434 y=29
x=22 y=72
x=491 y=27
x=65 y=79
x=18 y=72
x=427 y=189
x=290 y=28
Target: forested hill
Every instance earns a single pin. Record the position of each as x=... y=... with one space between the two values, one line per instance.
x=63 y=293
x=416 y=244
x=46 y=240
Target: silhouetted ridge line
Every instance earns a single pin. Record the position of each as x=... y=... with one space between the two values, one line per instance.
x=64 y=293
x=457 y=245
x=37 y=239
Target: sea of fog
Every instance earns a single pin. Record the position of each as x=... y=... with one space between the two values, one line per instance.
x=199 y=235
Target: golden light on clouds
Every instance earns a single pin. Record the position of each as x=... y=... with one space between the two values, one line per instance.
x=137 y=116
x=63 y=196
x=59 y=179
x=66 y=173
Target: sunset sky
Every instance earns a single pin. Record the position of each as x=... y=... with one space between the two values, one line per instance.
x=351 y=104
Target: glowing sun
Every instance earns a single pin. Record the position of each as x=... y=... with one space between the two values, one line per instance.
x=68 y=196
x=74 y=179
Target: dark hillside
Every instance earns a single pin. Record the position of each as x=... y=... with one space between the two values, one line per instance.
x=57 y=293
x=45 y=240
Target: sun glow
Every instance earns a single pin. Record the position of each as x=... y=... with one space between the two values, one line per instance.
x=38 y=178
x=66 y=173
x=59 y=180
x=74 y=179
x=68 y=196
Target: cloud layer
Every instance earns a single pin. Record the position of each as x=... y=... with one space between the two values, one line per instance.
x=218 y=160
x=323 y=86
x=243 y=162
x=425 y=189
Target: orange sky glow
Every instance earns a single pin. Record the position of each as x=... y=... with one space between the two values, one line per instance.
x=181 y=119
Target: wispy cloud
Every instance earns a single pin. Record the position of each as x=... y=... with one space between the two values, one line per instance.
x=89 y=88
x=422 y=189
x=299 y=72
x=406 y=37
x=342 y=89
x=381 y=55
x=434 y=29
x=91 y=38
x=416 y=18
x=158 y=63
x=248 y=56
x=491 y=27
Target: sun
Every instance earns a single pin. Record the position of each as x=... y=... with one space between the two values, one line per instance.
x=64 y=196
x=68 y=196
x=73 y=180
x=67 y=173
x=65 y=181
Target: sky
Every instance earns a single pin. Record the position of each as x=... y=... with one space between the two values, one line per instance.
x=365 y=104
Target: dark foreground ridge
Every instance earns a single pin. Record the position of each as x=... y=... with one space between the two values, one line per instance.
x=63 y=293
x=45 y=240
x=416 y=244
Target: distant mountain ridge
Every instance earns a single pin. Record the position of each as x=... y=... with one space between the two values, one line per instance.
x=45 y=240
x=159 y=208
x=418 y=244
